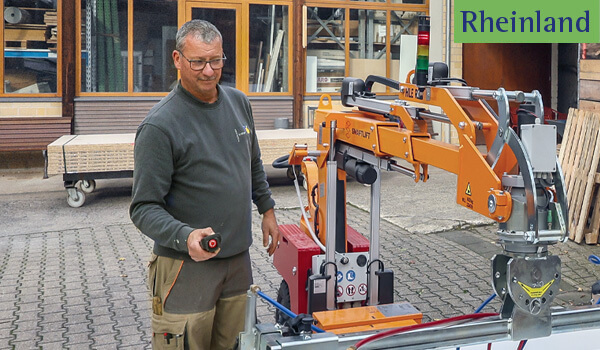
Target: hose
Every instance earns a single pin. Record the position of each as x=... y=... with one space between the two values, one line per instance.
x=420 y=326
x=487 y=301
x=285 y=310
x=312 y=232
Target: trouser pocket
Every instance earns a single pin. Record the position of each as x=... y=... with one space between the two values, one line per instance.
x=168 y=331
x=162 y=273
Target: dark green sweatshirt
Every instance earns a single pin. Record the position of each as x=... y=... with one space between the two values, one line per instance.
x=198 y=165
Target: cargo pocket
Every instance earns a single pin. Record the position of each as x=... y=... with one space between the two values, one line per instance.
x=162 y=274
x=168 y=331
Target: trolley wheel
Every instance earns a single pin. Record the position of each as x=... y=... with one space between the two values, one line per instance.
x=283 y=297
x=75 y=198
x=88 y=186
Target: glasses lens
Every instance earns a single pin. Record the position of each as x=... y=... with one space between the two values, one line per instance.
x=216 y=64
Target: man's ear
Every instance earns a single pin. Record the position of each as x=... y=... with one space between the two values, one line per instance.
x=177 y=59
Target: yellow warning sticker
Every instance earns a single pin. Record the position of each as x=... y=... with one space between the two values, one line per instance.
x=468 y=191
x=535 y=292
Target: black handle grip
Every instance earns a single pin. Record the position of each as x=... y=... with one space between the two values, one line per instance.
x=211 y=243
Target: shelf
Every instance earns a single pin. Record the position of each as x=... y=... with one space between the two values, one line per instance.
x=30 y=53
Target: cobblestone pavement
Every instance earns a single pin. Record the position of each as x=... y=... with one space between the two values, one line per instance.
x=75 y=278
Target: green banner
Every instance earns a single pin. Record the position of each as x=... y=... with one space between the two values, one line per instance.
x=526 y=21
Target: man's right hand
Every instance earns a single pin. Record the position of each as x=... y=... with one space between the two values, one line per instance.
x=193 y=243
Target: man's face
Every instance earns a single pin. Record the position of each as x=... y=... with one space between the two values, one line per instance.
x=203 y=82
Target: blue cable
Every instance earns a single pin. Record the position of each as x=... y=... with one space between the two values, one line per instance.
x=286 y=310
x=478 y=310
x=594 y=259
x=598 y=302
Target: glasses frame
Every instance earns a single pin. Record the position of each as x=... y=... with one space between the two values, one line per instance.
x=203 y=62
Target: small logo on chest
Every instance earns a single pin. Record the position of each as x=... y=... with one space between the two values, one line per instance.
x=245 y=131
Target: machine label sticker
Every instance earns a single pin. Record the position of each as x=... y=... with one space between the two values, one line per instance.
x=535 y=292
x=362 y=289
x=350 y=275
x=340 y=276
x=468 y=191
x=320 y=286
x=410 y=92
x=340 y=291
x=350 y=290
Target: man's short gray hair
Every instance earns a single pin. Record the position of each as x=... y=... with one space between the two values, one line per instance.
x=200 y=29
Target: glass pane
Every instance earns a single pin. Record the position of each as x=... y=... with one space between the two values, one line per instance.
x=403 y=34
x=325 y=53
x=154 y=29
x=30 y=38
x=367 y=45
x=224 y=20
x=268 y=48
x=420 y=2
x=104 y=45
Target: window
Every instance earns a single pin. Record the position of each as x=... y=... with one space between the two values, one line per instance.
x=268 y=61
x=325 y=53
x=30 y=46
x=155 y=26
x=379 y=39
x=104 y=51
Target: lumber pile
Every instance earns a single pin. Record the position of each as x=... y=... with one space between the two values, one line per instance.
x=579 y=156
x=276 y=143
x=90 y=153
x=114 y=152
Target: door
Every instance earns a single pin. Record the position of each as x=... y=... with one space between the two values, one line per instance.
x=227 y=18
x=523 y=67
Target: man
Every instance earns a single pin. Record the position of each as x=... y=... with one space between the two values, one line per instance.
x=197 y=170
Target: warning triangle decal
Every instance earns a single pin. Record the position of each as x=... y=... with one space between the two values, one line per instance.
x=468 y=191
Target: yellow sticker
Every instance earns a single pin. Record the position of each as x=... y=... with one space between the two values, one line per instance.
x=468 y=191
x=535 y=292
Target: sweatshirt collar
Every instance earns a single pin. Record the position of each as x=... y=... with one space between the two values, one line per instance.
x=196 y=100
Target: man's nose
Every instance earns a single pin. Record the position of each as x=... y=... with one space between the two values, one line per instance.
x=208 y=70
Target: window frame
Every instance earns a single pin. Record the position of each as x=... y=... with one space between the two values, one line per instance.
x=348 y=5
x=59 y=75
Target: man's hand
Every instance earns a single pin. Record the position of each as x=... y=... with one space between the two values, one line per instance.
x=193 y=243
x=269 y=228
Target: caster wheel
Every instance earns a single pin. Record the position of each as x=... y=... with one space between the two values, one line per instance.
x=75 y=198
x=88 y=186
x=283 y=297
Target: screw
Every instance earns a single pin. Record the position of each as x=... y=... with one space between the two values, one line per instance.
x=404 y=139
x=372 y=128
x=294 y=270
x=462 y=125
x=497 y=274
x=406 y=154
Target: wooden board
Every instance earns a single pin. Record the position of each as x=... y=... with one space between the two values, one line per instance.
x=579 y=157
x=114 y=152
x=90 y=153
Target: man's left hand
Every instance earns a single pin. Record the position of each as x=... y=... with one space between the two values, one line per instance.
x=269 y=228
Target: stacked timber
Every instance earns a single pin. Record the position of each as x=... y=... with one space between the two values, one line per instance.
x=579 y=157
x=114 y=152
x=90 y=153
x=276 y=143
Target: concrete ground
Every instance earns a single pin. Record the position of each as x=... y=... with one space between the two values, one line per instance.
x=74 y=278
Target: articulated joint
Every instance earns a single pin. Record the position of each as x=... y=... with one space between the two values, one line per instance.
x=499 y=205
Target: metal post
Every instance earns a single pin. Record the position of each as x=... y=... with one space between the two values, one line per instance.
x=374 y=239
x=247 y=337
x=331 y=219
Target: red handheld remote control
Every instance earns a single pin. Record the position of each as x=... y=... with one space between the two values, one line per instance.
x=211 y=243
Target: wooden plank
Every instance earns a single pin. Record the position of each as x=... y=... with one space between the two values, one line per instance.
x=589 y=66
x=591 y=168
x=592 y=106
x=588 y=90
x=591 y=237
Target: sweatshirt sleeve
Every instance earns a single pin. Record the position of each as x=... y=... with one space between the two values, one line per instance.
x=153 y=169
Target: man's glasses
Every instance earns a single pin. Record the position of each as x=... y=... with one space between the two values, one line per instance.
x=198 y=65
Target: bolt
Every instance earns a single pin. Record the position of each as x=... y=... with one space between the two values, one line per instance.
x=404 y=140
x=497 y=275
x=372 y=128
x=294 y=270
x=373 y=146
x=520 y=296
x=535 y=307
x=503 y=291
x=514 y=280
x=462 y=125
x=406 y=154
x=500 y=132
